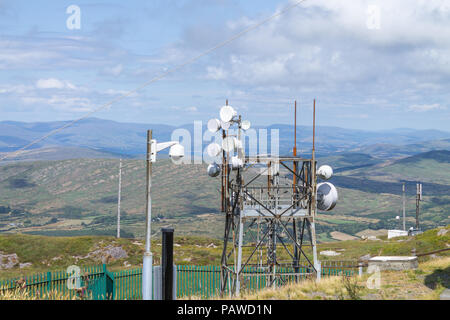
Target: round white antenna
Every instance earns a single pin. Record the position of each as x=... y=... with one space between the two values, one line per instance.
x=214 y=125
x=213 y=150
x=225 y=125
x=213 y=170
x=327 y=196
x=325 y=172
x=227 y=113
x=228 y=144
x=237 y=144
x=245 y=125
x=236 y=163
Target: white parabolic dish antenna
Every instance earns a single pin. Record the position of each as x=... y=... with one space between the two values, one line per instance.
x=213 y=150
x=225 y=125
x=227 y=113
x=325 y=172
x=245 y=125
x=228 y=144
x=213 y=170
x=214 y=125
x=327 y=196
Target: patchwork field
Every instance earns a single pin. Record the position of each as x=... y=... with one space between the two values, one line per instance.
x=79 y=196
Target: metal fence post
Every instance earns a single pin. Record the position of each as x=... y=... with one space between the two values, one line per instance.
x=49 y=282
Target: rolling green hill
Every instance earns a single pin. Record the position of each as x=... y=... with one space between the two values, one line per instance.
x=79 y=197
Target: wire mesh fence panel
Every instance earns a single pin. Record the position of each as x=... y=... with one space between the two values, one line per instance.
x=96 y=282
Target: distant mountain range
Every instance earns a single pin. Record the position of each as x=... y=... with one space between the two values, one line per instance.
x=93 y=138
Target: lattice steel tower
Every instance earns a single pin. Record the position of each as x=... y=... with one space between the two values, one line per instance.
x=270 y=205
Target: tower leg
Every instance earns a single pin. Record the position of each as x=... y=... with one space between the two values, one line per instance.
x=316 y=262
x=296 y=253
x=239 y=257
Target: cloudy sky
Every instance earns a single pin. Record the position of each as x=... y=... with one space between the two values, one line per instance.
x=374 y=65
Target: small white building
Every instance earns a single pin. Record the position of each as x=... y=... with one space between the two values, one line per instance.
x=393 y=263
x=397 y=233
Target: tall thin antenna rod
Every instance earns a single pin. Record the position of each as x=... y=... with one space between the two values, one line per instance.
x=118 y=199
x=294 y=151
x=295 y=130
x=314 y=126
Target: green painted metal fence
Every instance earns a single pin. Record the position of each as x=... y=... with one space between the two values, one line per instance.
x=94 y=283
x=201 y=281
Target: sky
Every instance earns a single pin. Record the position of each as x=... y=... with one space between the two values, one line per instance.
x=372 y=65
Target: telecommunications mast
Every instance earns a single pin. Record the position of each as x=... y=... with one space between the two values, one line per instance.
x=270 y=203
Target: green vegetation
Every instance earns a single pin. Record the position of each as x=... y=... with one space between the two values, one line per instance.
x=79 y=197
x=420 y=284
x=54 y=253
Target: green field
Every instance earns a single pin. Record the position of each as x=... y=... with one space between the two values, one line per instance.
x=56 y=253
x=79 y=197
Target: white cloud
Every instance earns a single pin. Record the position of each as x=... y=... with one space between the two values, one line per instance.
x=61 y=103
x=53 y=83
x=215 y=73
x=15 y=89
x=324 y=46
x=114 y=70
x=426 y=107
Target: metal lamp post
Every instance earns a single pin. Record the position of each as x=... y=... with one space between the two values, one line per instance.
x=176 y=152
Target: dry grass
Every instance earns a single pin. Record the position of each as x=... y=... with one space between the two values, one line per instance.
x=330 y=288
x=425 y=283
x=21 y=294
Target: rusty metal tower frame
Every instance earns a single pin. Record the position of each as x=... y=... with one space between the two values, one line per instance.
x=265 y=212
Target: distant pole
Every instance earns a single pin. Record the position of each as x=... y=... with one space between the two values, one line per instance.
x=404 y=207
x=148 y=258
x=118 y=199
x=418 y=198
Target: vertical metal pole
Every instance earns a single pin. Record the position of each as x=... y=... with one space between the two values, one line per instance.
x=418 y=196
x=404 y=207
x=118 y=198
x=167 y=264
x=313 y=198
x=148 y=258
x=239 y=257
x=294 y=194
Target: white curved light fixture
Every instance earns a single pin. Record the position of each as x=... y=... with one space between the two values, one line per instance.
x=176 y=152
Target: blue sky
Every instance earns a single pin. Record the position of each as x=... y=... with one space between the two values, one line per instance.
x=393 y=74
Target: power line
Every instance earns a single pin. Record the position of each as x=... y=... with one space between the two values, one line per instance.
x=161 y=76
